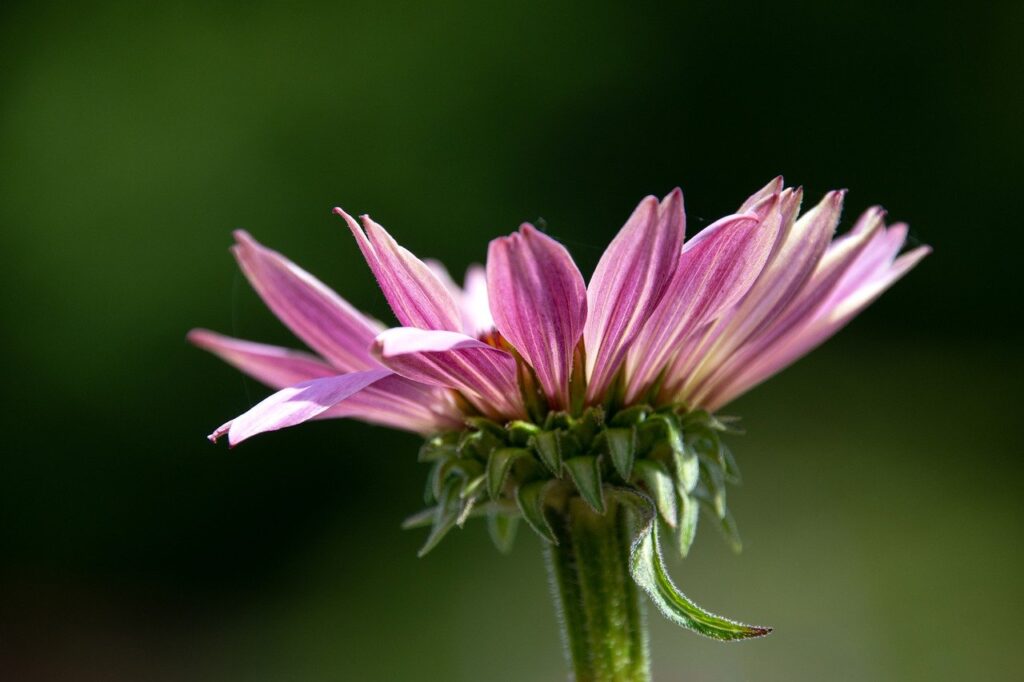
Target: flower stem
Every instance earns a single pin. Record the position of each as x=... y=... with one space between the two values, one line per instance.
x=603 y=626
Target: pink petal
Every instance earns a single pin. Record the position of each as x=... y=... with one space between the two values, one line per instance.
x=393 y=401
x=272 y=365
x=836 y=314
x=486 y=375
x=716 y=269
x=471 y=297
x=296 y=404
x=322 y=319
x=539 y=303
x=791 y=264
x=628 y=284
x=775 y=186
x=415 y=294
x=476 y=305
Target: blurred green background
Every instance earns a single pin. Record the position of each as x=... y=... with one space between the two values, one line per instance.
x=881 y=509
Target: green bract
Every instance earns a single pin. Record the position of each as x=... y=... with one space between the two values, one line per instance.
x=659 y=466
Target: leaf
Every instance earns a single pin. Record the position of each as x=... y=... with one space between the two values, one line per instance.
x=727 y=525
x=530 y=498
x=622 y=449
x=585 y=472
x=588 y=426
x=689 y=514
x=498 y=465
x=715 y=481
x=502 y=529
x=648 y=570
x=660 y=487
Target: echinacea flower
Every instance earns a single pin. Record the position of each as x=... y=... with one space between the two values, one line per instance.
x=546 y=398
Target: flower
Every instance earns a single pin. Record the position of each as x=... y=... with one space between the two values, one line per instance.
x=663 y=321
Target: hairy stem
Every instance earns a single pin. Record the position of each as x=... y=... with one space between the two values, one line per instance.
x=602 y=620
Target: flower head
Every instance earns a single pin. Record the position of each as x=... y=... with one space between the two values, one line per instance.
x=663 y=321
x=546 y=398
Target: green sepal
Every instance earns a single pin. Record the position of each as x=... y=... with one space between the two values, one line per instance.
x=520 y=432
x=648 y=570
x=484 y=424
x=587 y=427
x=727 y=525
x=714 y=480
x=687 y=466
x=558 y=420
x=631 y=416
x=472 y=485
x=530 y=499
x=622 y=449
x=585 y=472
x=478 y=443
x=548 y=445
x=438 y=447
x=729 y=465
x=420 y=519
x=468 y=505
x=445 y=515
x=660 y=487
x=502 y=529
x=463 y=468
x=689 y=514
x=498 y=465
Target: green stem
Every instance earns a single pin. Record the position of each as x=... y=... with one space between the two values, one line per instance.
x=602 y=620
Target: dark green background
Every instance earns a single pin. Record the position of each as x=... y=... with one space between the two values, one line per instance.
x=881 y=508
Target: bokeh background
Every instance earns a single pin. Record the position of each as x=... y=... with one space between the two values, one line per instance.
x=881 y=508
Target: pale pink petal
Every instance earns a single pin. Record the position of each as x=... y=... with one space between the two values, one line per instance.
x=486 y=375
x=799 y=341
x=394 y=401
x=476 y=306
x=471 y=298
x=841 y=257
x=628 y=284
x=775 y=186
x=415 y=294
x=539 y=303
x=792 y=262
x=272 y=365
x=296 y=404
x=401 y=403
x=716 y=269
x=323 y=320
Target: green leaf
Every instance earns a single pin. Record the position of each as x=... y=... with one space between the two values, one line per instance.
x=549 y=448
x=689 y=513
x=420 y=519
x=661 y=488
x=502 y=529
x=622 y=449
x=498 y=465
x=530 y=498
x=585 y=472
x=649 y=572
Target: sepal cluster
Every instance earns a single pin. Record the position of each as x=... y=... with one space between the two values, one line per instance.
x=523 y=470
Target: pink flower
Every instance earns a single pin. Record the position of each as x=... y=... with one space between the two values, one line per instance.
x=662 y=321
